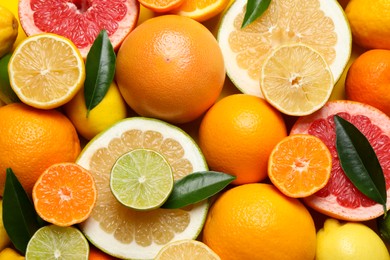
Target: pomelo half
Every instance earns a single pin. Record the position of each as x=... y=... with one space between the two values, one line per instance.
x=340 y=198
x=320 y=24
x=80 y=20
x=133 y=234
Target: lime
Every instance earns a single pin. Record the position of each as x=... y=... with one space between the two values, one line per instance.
x=54 y=242
x=141 y=179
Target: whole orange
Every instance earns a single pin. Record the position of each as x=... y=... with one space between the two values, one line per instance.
x=170 y=67
x=368 y=79
x=237 y=135
x=31 y=140
x=256 y=221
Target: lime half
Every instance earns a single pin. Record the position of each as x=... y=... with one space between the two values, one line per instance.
x=54 y=242
x=141 y=179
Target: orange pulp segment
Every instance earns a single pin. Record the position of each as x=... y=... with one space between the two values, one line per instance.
x=201 y=10
x=161 y=5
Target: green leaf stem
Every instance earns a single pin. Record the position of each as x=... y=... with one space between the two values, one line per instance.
x=100 y=70
x=254 y=9
x=196 y=187
x=359 y=161
x=19 y=216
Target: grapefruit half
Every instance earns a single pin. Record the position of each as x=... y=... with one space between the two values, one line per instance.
x=340 y=198
x=80 y=20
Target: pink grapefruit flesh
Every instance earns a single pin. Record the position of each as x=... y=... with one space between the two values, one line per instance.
x=340 y=198
x=80 y=20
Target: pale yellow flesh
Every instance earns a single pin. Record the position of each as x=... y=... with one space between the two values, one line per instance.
x=186 y=250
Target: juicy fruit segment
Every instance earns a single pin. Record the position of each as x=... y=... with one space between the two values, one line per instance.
x=349 y=241
x=296 y=80
x=160 y=6
x=80 y=20
x=141 y=179
x=64 y=194
x=339 y=198
x=54 y=242
x=320 y=24
x=119 y=230
x=300 y=165
x=201 y=10
x=46 y=71
x=186 y=249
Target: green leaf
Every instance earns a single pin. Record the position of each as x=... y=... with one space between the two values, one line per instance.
x=19 y=216
x=359 y=161
x=100 y=70
x=196 y=187
x=254 y=9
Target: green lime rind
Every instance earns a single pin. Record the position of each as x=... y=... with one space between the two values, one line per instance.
x=141 y=179
x=7 y=94
x=54 y=242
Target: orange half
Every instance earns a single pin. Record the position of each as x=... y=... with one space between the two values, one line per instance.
x=160 y=6
x=300 y=165
x=64 y=194
x=201 y=10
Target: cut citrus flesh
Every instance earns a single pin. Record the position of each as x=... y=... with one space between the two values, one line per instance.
x=81 y=20
x=296 y=79
x=128 y=233
x=300 y=165
x=160 y=6
x=186 y=249
x=54 y=242
x=46 y=71
x=64 y=194
x=201 y=10
x=141 y=179
x=320 y=24
x=340 y=198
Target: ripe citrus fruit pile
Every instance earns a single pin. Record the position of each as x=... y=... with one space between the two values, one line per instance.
x=194 y=129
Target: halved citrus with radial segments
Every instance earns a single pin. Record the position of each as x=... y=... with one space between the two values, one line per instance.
x=201 y=10
x=320 y=24
x=80 y=20
x=46 y=70
x=128 y=233
x=160 y=6
x=340 y=198
x=64 y=194
x=296 y=79
x=300 y=165
x=186 y=249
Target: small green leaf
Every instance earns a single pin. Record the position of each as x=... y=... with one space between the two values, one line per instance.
x=254 y=9
x=100 y=70
x=19 y=216
x=359 y=161
x=196 y=187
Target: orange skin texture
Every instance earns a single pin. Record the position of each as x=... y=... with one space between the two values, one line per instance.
x=256 y=221
x=238 y=134
x=164 y=69
x=31 y=140
x=97 y=254
x=368 y=80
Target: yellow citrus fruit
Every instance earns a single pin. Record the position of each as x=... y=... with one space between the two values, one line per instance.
x=110 y=110
x=31 y=140
x=144 y=14
x=12 y=5
x=320 y=24
x=46 y=71
x=237 y=135
x=10 y=254
x=8 y=30
x=349 y=240
x=201 y=10
x=367 y=80
x=256 y=221
x=170 y=67
x=4 y=239
x=369 y=21
x=186 y=249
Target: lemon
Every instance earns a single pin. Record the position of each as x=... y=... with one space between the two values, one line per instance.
x=12 y=5
x=109 y=111
x=186 y=249
x=8 y=30
x=4 y=239
x=349 y=241
x=370 y=23
x=10 y=254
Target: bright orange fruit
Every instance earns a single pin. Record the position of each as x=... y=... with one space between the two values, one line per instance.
x=64 y=194
x=160 y=6
x=201 y=10
x=300 y=165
